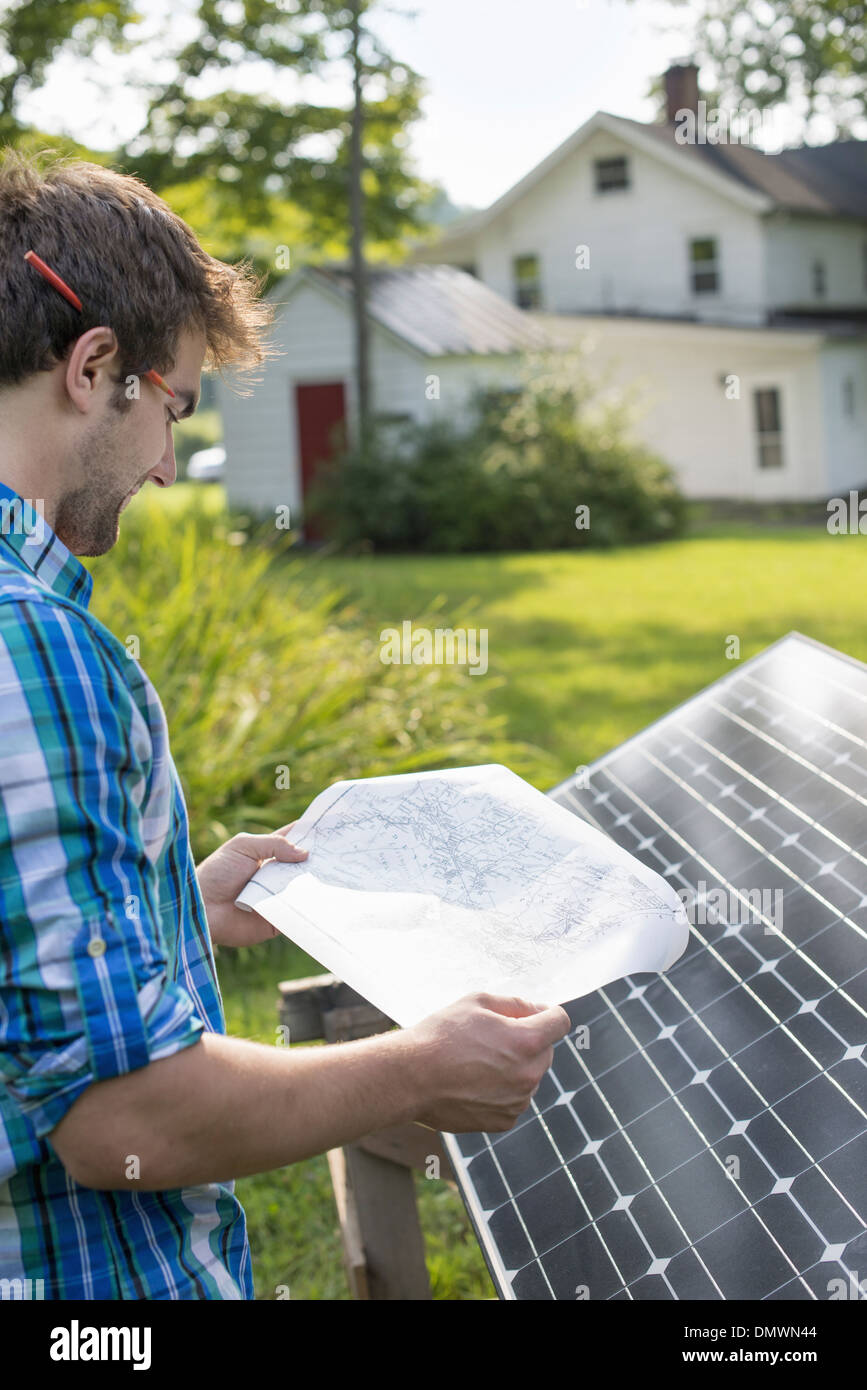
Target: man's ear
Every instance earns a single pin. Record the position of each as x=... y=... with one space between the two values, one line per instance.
x=91 y=368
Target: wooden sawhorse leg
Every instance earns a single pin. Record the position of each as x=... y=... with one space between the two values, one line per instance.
x=374 y=1189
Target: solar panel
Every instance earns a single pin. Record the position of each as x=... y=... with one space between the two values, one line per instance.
x=703 y=1134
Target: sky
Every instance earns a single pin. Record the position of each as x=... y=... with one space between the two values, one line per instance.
x=509 y=80
x=506 y=80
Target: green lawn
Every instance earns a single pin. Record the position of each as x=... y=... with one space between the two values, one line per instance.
x=591 y=647
x=584 y=650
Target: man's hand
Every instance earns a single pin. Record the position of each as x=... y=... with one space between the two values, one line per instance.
x=480 y=1061
x=229 y=869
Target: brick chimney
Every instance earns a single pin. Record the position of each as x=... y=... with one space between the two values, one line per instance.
x=681 y=90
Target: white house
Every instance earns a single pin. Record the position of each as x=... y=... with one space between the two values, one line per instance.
x=724 y=286
x=436 y=335
x=739 y=412
x=730 y=285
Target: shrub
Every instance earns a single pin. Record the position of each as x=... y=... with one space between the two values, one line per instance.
x=260 y=663
x=511 y=479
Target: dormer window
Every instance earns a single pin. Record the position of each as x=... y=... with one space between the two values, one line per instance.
x=704 y=265
x=611 y=174
x=819 y=281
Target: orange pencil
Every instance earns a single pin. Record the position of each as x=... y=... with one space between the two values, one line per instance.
x=53 y=279
x=61 y=286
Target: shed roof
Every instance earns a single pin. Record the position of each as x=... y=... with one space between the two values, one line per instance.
x=438 y=309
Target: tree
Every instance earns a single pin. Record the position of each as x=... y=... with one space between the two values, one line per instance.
x=350 y=188
x=809 y=54
x=257 y=154
x=356 y=215
x=35 y=32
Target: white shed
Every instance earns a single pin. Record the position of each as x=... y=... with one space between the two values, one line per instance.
x=436 y=334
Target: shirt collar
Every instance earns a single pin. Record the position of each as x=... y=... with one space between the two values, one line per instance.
x=25 y=532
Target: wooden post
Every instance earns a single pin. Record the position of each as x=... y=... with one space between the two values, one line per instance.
x=374 y=1190
x=383 y=1246
x=354 y=1257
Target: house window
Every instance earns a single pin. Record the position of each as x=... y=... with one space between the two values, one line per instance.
x=525 y=275
x=704 y=268
x=848 y=396
x=611 y=174
x=768 y=429
x=819 y=284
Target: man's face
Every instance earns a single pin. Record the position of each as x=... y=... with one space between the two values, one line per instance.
x=121 y=450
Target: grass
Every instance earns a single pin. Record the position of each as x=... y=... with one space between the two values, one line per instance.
x=584 y=650
x=592 y=647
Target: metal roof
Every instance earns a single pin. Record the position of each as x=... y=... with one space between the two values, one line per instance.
x=439 y=309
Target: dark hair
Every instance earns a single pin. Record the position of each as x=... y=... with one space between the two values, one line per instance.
x=134 y=264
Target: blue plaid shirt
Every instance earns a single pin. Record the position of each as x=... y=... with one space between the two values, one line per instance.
x=105 y=956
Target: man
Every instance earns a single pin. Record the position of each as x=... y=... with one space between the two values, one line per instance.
x=127 y=1112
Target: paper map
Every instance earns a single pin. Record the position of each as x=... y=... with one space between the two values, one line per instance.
x=423 y=887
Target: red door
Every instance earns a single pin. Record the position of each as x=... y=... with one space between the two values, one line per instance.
x=321 y=412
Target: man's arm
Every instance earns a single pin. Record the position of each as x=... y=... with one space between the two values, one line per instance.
x=225 y=1108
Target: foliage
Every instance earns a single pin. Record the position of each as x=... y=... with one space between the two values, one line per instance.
x=282 y=166
x=511 y=479
x=255 y=174
x=33 y=33
x=809 y=54
x=261 y=665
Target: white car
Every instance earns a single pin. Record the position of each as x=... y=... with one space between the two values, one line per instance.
x=207 y=465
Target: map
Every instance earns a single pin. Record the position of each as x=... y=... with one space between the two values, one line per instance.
x=421 y=888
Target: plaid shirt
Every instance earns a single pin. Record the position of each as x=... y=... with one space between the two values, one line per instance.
x=105 y=956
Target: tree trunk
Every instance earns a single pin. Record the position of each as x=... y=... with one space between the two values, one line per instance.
x=356 y=212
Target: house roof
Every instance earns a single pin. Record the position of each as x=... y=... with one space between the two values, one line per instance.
x=829 y=180
x=437 y=309
x=813 y=327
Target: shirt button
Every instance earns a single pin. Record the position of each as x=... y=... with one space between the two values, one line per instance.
x=96 y=947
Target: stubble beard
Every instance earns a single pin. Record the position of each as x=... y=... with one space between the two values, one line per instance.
x=87 y=518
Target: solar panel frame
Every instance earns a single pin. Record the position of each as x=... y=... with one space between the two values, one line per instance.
x=618 y=1219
